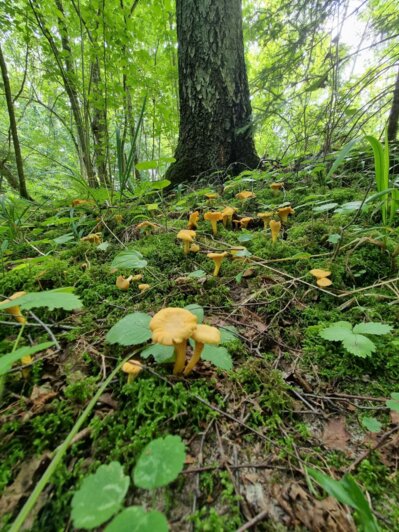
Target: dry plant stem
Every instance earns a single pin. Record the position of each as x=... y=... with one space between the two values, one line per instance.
x=254 y=520
x=47 y=329
x=180 y=350
x=61 y=450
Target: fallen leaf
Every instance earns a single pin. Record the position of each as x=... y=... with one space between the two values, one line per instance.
x=335 y=435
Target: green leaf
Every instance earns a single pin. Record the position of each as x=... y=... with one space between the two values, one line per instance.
x=372 y=327
x=359 y=345
x=197 y=274
x=103 y=246
x=219 y=356
x=161 y=353
x=100 y=496
x=325 y=207
x=393 y=403
x=136 y=519
x=160 y=463
x=341 y=157
x=243 y=253
x=228 y=334
x=63 y=239
x=129 y=259
x=371 y=424
x=59 y=298
x=245 y=237
x=349 y=207
x=336 y=332
x=159 y=185
x=7 y=360
x=197 y=310
x=133 y=329
x=334 y=238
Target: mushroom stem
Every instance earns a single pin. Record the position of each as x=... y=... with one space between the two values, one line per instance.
x=186 y=247
x=214 y=227
x=217 y=267
x=195 y=358
x=180 y=352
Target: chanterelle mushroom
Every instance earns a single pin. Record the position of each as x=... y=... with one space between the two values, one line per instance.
x=213 y=217
x=93 y=238
x=203 y=334
x=14 y=311
x=321 y=277
x=173 y=326
x=193 y=220
x=275 y=228
x=245 y=195
x=228 y=213
x=245 y=221
x=186 y=236
x=217 y=259
x=276 y=187
x=132 y=368
x=283 y=213
x=122 y=282
x=265 y=217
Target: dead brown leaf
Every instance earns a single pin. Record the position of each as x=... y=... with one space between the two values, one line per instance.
x=335 y=435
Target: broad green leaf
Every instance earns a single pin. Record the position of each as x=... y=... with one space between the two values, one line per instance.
x=245 y=237
x=393 y=403
x=103 y=246
x=371 y=424
x=219 y=356
x=63 y=239
x=7 y=360
x=149 y=165
x=337 y=331
x=133 y=329
x=161 y=353
x=159 y=185
x=160 y=463
x=359 y=345
x=136 y=519
x=332 y=487
x=197 y=274
x=228 y=334
x=100 y=496
x=334 y=238
x=59 y=298
x=243 y=253
x=349 y=207
x=197 y=310
x=325 y=207
x=129 y=259
x=372 y=327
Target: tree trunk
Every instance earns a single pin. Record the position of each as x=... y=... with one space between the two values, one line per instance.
x=11 y=179
x=215 y=110
x=99 y=124
x=13 y=126
x=394 y=113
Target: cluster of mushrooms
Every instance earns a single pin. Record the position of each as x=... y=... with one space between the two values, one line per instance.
x=174 y=327
x=123 y=283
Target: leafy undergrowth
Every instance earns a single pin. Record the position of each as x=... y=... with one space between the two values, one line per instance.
x=297 y=397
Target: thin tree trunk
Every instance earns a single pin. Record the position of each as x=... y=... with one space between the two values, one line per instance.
x=394 y=113
x=99 y=124
x=215 y=111
x=13 y=126
x=9 y=176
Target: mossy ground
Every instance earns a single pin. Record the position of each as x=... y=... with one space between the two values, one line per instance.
x=280 y=396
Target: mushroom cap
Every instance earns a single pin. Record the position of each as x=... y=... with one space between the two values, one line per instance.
x=194 y=216
x=265 y=215
x=172 y=326
x=186 y=234
x=286 y=210
x=320 y=274
x=146 y=223
x=132 y=367
x=211 y=216
x=122 y=283
x=246 y=220
x=212 y=195
x=206 y=334
x=229 y=211
x=323 y=282
x=275 y=225
x=277 y=186
x=143 y=287
x=245 y=194
x=216 y=256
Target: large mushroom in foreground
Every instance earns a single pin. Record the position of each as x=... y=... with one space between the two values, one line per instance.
x=173 y=326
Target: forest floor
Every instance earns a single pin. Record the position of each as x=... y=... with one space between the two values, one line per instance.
x=293 y=399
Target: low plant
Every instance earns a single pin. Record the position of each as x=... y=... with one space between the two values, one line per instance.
x=101 y=494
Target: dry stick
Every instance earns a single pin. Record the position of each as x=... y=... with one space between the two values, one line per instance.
x=47 y=329
x=254 y=520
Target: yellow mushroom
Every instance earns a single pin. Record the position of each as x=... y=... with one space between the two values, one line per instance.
x=275 y=228
x=194 y=248
x=78 y=202
x=122 y=282
x=276 y=187
x=245 y=221
x=217 y=259
x=147 y=225
x=203 y=334
x=214 y=218
x=265 y=217
x=144 y=287
x=14 y=310
x=228 y=213
x=173 y=326
x=321 y=277
x=193 y=220
x=284 y=212
x=137 y=277
x=186 y=236
x=245 y=195
x=92 y=238
x=132 y=368
x=211 y=195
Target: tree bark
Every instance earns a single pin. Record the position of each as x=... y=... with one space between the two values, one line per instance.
x=215 y=111
x=394 y=113
x=11 y=179
x=13 y=126
x=99 y=124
